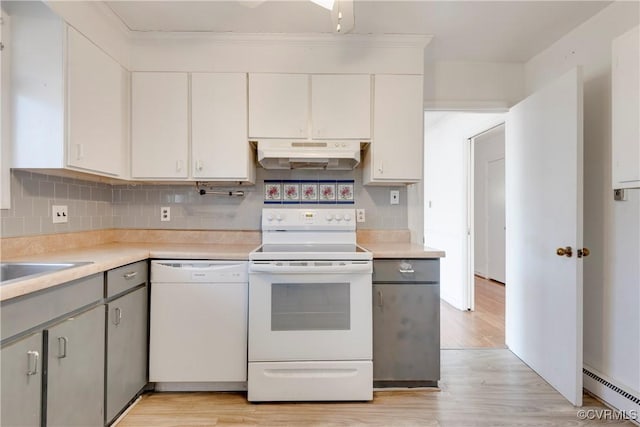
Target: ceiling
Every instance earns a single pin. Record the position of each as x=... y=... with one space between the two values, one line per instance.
x=492 y=31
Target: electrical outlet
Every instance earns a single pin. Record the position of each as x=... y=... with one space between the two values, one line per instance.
x=59 y=214
x=395 y=197
x=359 y=215
x=165 y=213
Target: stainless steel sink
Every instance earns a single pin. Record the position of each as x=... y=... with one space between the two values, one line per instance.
x=11 y=272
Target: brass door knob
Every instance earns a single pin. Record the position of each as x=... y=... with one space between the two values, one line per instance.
x=567 y=251
x=584 y=252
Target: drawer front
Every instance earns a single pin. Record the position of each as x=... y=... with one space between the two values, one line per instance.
x=126 y=277
x=22 y=313
x=406 y=270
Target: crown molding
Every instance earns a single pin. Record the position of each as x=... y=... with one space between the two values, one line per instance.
x=328 y=39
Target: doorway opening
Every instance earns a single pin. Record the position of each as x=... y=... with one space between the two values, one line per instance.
x=464 y=175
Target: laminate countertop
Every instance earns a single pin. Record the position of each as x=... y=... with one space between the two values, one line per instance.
x=113 y=255
x=402 y=250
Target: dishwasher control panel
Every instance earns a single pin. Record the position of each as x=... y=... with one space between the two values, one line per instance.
x=184 y=271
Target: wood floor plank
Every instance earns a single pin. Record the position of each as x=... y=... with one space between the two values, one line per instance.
x=482 y=387
x=482 y=328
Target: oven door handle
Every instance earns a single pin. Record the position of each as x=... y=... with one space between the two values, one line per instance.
x=310 y=269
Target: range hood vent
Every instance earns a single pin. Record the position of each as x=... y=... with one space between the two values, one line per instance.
x=319 y=155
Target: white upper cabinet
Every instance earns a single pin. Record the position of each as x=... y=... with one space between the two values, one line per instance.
x=69 y=99
x=395 y=154
x=96 y=101
x=159 y=125
x=331 y=106
x=625 y=95
x=341 y=106
x=278 y=105
x=219 y=143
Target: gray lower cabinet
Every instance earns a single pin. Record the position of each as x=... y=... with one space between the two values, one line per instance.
x=75 y=370
x=126 y=350
x=406 y=322
x=21 y=382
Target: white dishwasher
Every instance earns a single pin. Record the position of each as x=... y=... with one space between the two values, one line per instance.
x=198 y=332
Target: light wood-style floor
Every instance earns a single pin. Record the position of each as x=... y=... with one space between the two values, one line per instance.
x=478 y=388
x=482 y=328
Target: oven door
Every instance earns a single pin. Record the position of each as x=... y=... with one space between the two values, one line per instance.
x=310 y=310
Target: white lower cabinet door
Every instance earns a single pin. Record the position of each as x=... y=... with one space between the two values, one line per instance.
x=75 y=376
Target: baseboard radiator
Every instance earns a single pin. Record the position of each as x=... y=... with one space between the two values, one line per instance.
x=604 y=388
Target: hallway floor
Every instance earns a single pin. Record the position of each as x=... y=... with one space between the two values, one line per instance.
x=482 y=328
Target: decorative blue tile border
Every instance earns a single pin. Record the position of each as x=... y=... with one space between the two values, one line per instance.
x=293 y=192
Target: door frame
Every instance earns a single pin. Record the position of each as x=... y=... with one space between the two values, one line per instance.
x=468 y=179
x=470 y=170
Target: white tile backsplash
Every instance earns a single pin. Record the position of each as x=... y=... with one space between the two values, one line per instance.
x=98 y=206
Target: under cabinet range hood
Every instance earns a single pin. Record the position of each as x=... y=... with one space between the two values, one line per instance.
x=329 y=155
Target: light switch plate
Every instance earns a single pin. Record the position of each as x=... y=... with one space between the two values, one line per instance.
x=59 y=214
x=395 y=197
x=360 y=215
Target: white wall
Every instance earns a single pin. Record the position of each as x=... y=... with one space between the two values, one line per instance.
x=487 y=147
x=469 y=85
x=445 y=194
x=5 y=118
x=611 y=229
x=98 y=23
x=272 y=53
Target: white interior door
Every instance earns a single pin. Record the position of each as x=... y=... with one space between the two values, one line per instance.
x=544 y=212
x=496 y=219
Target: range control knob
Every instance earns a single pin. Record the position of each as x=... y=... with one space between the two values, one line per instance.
x=270 y=217
x=347 y=217
x=338 y=217
x=329 y=217
x=279 y=218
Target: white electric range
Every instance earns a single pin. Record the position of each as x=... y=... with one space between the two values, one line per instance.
x=310 y=324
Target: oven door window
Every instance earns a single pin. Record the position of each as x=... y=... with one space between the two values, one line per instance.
x=310 y=306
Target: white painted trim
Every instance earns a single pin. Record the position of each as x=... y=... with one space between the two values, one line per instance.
x=261 y=39
x=470 y=171
x=609 y=396
x=468 y=106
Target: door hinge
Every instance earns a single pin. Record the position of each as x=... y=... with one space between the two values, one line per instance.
x=1 y=46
